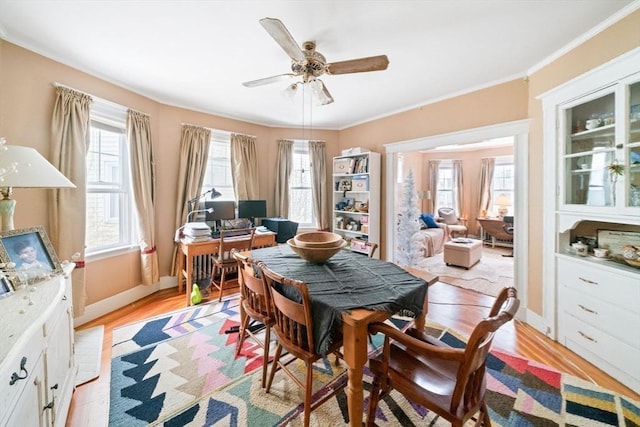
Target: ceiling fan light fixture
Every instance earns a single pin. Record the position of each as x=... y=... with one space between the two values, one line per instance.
x=290 y=91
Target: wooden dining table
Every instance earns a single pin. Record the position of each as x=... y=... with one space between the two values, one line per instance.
x=348 y=286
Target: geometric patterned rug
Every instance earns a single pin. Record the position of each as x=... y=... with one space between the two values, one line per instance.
x=179 y=369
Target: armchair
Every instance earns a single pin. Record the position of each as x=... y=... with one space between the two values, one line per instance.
x=455 y=224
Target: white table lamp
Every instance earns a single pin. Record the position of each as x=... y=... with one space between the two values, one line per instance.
x=503 y=201
x=24 y=167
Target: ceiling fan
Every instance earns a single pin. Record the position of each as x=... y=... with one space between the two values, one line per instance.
x=311 y=64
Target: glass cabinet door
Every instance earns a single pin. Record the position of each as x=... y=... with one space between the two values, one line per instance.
x=632 y=152
x=589 y=147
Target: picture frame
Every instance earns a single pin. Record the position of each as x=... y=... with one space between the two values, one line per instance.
x=6 y=289
x=32 y=253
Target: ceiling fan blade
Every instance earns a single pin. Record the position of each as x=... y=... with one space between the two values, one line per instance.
x=361 y=65
x=281 y=35
x=268 y=80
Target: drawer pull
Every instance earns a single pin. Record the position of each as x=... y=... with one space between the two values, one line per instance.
x=587 y=336
x=588 y=310
x=15 y=376
x=591 y=282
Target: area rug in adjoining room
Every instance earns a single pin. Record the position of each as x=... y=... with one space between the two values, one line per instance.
x=492 y=273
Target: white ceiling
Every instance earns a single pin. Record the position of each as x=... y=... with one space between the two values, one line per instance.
x=196 y=54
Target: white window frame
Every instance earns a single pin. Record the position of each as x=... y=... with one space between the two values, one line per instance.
x=301 y=148
x=219 y=157
x=446 y=166
x=112 y=118
x=508 y=190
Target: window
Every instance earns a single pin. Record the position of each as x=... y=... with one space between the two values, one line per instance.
x=109 y=208
x=446 y=191
x=218 y=171
x=502 y=187
x=300 y=201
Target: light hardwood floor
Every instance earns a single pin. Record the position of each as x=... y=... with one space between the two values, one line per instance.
x=455 y=307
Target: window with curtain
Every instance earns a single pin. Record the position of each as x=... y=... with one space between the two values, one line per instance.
x=503 y=185
x=218 y=171
x=300 y=202
x=446 y=188
x=110 y=212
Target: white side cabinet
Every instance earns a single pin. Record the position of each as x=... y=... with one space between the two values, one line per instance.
x=37 y=364
x=356 y=199
x=591 y=125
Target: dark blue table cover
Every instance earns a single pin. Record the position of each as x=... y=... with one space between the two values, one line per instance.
x=346 y=281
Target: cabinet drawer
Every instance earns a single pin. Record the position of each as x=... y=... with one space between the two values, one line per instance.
x=608 y=353
x=619 y=289
x=10 y=392
x=608 y=318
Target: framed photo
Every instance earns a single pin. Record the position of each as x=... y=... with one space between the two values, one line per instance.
x=31 y=251
x=5 y=287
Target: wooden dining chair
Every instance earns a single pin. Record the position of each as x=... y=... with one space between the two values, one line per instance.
x=372 y=248
x=294 y=331
x=255 y=306
x=225 y=266
x=449 y=381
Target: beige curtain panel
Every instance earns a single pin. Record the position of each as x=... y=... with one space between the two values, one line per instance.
x=244 y=167
x=459 y=186
x=67 y=221
x=319 y=192
x=143 y=181
x=433 y=170
x=486 y=179
x=194 y=152
x=284 y=167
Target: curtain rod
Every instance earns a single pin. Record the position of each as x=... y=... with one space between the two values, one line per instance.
x=215 y=129
x=106 y=101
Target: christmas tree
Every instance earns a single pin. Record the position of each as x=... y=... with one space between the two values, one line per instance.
x=408 y=249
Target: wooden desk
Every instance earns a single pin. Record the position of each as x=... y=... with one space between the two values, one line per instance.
x=355 y=323
x=188 y=251
x=494 y=227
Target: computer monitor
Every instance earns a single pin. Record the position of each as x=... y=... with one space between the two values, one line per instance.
x=252 y=209
x=222 y=209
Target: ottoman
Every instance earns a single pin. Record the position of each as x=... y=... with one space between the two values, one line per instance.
x=463 y=252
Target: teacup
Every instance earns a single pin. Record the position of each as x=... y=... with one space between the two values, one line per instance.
x=593 y=123
x=580 y=248
x=601 y=252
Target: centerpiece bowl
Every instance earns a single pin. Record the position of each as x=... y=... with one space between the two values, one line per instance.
x=316 y=255
x=318 y=239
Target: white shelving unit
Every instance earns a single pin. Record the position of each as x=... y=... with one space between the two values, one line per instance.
x=356 y=199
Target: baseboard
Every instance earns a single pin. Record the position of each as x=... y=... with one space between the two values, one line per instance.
x=539 y=323
x=107 y=305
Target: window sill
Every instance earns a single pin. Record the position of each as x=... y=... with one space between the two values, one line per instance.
x=109 y=253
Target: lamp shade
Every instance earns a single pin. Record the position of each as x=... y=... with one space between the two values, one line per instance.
x=503 y=200
x=31 y=169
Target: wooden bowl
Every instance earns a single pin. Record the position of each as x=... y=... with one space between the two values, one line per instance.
x=315 y=255
x=318 y=239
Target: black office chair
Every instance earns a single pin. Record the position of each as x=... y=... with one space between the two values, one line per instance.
x=508 y=228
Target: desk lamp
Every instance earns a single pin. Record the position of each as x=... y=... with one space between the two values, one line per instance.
x=24 y=167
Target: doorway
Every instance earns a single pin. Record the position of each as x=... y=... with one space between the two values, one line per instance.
x=518 y=130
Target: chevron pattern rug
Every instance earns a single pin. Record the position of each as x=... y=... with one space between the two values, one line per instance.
x=180 y=370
